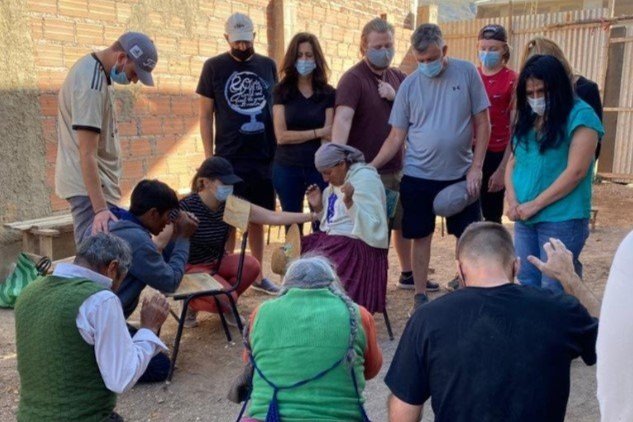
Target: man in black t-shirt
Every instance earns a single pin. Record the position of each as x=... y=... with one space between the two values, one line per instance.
x=235 y=88
x=494 y=350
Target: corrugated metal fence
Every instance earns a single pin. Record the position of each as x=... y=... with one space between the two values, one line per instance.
x=583 y=44
x=584 y=37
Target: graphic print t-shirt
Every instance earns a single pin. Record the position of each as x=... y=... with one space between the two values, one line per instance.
x=241 y=92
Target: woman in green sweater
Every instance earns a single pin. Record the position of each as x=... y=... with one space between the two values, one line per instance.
x=312 y=349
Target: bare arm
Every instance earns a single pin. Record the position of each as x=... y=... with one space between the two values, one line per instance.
x=261 y=215
x=88 y=144
x=560 y=266
x=496 y=181
x=342 y=124
x=581 y=153
x=286 y=137
x=390 y=148
x=206 y=125
x=400 y=411
x=482 y=137
x=511 y=198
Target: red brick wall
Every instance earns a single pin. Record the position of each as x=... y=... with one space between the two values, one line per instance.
x=159 y=126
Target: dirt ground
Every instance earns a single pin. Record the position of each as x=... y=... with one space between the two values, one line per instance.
x=207 y=363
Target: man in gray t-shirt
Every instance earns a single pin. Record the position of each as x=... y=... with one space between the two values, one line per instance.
x=438 y=112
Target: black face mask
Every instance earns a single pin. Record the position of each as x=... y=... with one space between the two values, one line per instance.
x=242 y=55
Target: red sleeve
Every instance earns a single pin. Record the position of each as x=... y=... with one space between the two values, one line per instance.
x=251 y=321
x=348 y=91
x=373 y=354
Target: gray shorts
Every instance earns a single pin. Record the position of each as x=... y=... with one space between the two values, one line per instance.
x=83 y=216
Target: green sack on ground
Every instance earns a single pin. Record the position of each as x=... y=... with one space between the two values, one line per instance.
x=25 y=272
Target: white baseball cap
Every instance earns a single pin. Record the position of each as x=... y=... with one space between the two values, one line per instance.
x=239 y=27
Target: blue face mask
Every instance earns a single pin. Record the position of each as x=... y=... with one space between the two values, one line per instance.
x=380 y=58
x=305 y=67
x=223 y=192
x=490 y=59
x=432 y=69
x=119 y=77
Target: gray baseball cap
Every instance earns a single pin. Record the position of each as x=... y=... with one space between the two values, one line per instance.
x=452 y=200
x=143 y=53
x=239 y=27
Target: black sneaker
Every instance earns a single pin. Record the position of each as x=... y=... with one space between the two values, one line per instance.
x=266 y=286
x=418 y=300
x=453 y=285
x=431 y=286
x=407 y=283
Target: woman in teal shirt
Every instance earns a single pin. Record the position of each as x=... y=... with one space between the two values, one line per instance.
x=548 y=177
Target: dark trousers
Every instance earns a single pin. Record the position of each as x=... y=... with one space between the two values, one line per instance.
x=158 y=367
x=491 y=202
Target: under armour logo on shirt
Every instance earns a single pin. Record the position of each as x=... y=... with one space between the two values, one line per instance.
x=456 y=88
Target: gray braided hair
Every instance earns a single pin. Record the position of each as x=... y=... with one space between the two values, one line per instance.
x=318 y=272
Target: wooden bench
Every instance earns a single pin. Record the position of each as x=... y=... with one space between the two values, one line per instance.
x=38 y=234
x=615 y=177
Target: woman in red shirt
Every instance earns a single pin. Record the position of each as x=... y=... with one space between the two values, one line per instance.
x=500 y=82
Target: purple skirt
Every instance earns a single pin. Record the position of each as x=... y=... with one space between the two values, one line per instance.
x=361 y=268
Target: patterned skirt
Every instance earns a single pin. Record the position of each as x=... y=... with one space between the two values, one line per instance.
x=361 y=268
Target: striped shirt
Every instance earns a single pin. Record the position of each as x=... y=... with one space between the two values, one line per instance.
x=207 y=243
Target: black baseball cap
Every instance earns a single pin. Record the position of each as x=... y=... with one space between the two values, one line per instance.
x=493 y=32
x=218 y=168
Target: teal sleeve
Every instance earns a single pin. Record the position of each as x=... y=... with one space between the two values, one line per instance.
x=585 y=116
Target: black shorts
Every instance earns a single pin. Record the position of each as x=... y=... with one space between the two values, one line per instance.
x=256 y=190
x=418 y=218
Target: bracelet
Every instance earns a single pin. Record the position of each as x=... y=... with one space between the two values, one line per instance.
x=101 y=210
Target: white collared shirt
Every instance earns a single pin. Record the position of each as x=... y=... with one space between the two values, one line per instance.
x=121 y=359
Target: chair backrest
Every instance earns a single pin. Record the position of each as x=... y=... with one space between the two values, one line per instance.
x=392 y=202
x=237 y=213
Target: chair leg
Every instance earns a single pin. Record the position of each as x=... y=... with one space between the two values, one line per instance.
x=224 y=324
x=388 y=324
x=236 y=314
x=174 y=354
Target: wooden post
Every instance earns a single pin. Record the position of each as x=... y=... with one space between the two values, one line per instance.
x=284 y=23
x=427 y=14
x=611 y=98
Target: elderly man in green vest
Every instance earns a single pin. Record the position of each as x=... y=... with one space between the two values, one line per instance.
x=73 y=347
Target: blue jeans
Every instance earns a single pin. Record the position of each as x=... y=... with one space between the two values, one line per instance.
x=529 y=240
x=291 y=182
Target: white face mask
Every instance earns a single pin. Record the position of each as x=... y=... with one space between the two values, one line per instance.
x=537 y=104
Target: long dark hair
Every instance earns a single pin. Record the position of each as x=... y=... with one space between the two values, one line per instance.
x=559 y=100
x=289 y=75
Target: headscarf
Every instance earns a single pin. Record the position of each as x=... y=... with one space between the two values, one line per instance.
x=329 y=155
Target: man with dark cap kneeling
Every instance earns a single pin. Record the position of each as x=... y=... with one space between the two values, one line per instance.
x=74 y=351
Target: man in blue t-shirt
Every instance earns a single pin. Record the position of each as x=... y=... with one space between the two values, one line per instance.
x=235 y=88
x=493 y=350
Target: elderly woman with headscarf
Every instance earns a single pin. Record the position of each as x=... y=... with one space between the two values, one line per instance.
x=312 y=349
x=353 y=223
